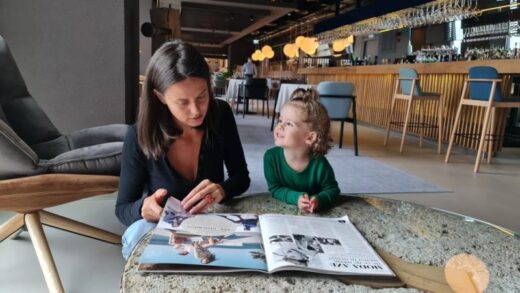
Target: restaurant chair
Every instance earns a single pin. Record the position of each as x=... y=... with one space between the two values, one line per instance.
x=338 y=99
x=407 y=88
x=485 y=92
x=42 y=168
x=219 y=86
x=253 y=89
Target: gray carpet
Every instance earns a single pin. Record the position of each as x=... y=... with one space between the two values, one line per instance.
x=355 y=175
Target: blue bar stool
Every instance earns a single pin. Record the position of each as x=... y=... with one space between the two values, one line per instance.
x=483 y=92
x=338 y=99
x=408 y=84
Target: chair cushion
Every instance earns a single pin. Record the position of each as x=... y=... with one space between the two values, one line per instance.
x=17 y=159
x=52 y=148
x=79 y=139
x=335 y=88
x=338 y=108
x=406 y=85
x=480 y=90
x=28 y=120
x=97 y=135
x=100 y=159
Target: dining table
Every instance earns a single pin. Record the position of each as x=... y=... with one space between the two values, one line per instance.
x=285 y=92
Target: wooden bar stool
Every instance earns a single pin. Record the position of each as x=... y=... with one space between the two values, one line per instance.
x=408 y=83
x=483 y=92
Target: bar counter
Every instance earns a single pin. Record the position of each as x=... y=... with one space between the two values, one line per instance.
x=375 y=84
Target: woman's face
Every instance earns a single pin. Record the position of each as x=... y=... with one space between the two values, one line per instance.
x=188 y=101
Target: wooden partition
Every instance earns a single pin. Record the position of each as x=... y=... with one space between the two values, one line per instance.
x=374 y=86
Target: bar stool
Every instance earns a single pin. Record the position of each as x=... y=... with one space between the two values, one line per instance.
x=483 y=92
x=408 y=83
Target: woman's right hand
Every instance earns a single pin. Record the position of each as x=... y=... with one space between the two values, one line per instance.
x=151 y=209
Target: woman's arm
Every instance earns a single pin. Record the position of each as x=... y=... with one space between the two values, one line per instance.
x=131 y=180
x=238 y=176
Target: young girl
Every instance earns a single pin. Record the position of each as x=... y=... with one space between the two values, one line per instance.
x=296 y=170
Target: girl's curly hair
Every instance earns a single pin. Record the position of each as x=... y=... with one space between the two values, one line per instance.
x=317 y=117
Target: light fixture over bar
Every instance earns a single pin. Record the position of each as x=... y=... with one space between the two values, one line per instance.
x=430 y=13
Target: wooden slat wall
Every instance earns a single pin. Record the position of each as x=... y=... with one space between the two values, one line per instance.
x=374 y=92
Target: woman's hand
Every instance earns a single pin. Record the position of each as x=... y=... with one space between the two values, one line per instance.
x=306 y=204
x=203 y=196
x=151 y=209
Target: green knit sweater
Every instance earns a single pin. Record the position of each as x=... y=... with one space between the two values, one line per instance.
x=288 y=185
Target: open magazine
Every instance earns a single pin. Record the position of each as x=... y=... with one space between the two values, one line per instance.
x=267 y=243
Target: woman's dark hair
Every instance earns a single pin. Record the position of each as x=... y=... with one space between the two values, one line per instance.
x=173 y=62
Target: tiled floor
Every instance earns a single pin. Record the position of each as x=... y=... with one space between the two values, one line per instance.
x=86 y=265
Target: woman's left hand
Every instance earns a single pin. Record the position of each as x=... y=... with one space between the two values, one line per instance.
x=203 y=196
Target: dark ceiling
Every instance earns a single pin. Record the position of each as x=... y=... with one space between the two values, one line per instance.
x=212 y=25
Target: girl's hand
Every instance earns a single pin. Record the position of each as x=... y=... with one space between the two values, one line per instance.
x=151 y=209
x=306 y=204
x=203 y=196
x=313 y=203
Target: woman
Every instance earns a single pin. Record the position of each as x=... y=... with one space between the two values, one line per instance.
x=182 y=140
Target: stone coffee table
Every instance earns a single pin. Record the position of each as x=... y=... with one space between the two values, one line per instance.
x=411 y=234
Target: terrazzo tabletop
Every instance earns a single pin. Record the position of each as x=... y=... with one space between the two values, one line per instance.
x=411 y=232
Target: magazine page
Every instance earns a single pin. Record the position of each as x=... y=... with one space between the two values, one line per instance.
x=325 y=245
x=211 y=241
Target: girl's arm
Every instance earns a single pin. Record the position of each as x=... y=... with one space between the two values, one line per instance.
x=272 y=176
x=131 y=180
x=329 y=187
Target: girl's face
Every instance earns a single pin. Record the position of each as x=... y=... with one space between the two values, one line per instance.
x=291 y=131
x=187 y=100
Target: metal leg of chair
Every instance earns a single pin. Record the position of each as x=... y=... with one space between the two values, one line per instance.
x=267 y=101
x=406 y=119
x=274 y=113
x=236 y=111
x=56 y=221
x=421 y=120
x=392 y=106
x=245 y=107
x=492 y=127
x=482 y=138
x=10 y=227
x=354 y=115
x=341 y=135
x=439 y=144
x=453 y=131
x=43 y=252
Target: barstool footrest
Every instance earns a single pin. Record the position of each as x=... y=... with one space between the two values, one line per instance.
x=414 y=124
x=476 y=136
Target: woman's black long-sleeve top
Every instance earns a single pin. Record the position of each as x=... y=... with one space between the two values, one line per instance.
x=218 y=149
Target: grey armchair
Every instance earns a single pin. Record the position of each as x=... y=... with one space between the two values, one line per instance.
x=41 y=168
